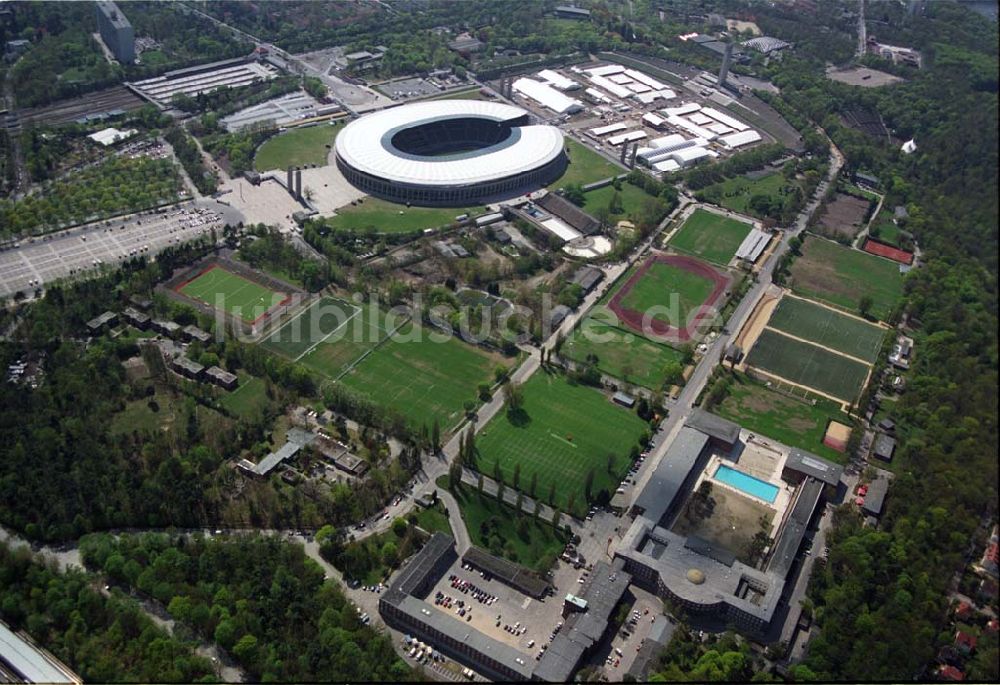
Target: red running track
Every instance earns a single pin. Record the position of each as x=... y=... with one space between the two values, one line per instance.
x=634 y=318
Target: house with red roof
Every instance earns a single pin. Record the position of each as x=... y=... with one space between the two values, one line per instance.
x=964 y=642
x=950 y=673
x=963 y=610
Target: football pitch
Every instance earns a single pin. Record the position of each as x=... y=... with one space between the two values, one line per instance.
x=563 y=432
x=808 y=364
x=659 y=287
x=242 y=298
x=841 y=276
x=621 y=354
x=827 y=327
x=319 y=320
x=710 y=236
x=423 y=379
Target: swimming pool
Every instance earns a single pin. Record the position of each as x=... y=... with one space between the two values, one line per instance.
x=748 y=484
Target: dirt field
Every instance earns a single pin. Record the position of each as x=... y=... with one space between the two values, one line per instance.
x=844 y=216
x=731 y=522
x=758 y=319
x=862 y=76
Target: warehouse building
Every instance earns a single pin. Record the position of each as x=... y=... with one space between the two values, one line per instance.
x=22 y=660
x=547 y=96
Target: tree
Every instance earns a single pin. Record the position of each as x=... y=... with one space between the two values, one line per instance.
x=517 y=475
x=571 y=503
x=500 y=491
x=533 y=485
x=520 y=501
x=588 y=485
x=865 y=305
x=514 y=397
x=436 y=437
x=455 y=471
x=552 y=493
x=556 y=516
x=246 y=649
x=538 y=509
x=574 y=193
x=479 y=483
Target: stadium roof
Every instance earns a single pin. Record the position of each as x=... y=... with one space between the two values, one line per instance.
x=364 y=145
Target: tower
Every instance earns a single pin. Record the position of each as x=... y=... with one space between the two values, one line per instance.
x=724 y=69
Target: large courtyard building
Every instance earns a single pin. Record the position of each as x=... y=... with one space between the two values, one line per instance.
x=116 y=31
x=449 y=153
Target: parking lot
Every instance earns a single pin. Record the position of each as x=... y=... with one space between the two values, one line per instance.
x=620 y=653
x=498 y=610
x=34 y=262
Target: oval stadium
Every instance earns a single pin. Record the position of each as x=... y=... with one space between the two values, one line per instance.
x=449 y=153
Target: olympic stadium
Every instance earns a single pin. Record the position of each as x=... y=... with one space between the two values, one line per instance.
x=449 y=153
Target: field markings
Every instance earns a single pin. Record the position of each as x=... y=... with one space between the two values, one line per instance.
x=865 y=362
x=357 y=311
x=562 y=439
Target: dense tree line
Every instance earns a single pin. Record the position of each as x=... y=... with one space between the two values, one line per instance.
x=190 y=157
x=103 y=639
x=258 y=597
x=723 y=658
x=270 y=252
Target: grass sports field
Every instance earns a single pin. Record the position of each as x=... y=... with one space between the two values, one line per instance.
x=380 y=216
x=660 y=284
x=243 y=298
x=625 y=355
x=808 y=365
x=585 y=166
x=735 y=193
x=423 y=379
x=632 y=200
x=710 y=236
x=297 y=147
x=563 y=432
x=796 y=423
x=319 y=320
x=841 y=276
x=827 y=327
x=359 y=334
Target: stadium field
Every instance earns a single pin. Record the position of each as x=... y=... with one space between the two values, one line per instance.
x=423 y=379
x=710 y=236
x=660 y=284
x=624 y=355
x=242 y=298
x=827 y=327
x=841 y=276
x=563 y=432
x=808 y=364
x=321 y=319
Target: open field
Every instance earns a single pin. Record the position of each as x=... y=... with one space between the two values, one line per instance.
x=563 y=432
x=432 y=519
x=361 y=332
x=731 y=521
x=624 y=355
x=499 y=529
x=423 y=379
x=844 y=216
x=710 y=236
x=632 y=199
x=841 y=276
x=242 y=298
x=162 y=412
x=248 y=399
x=735 y=193
x=794 y=422
x=808 y=364
x=316 y=322
x=585 y=166
x=827 y=327
x=380 y=216
x=297 y=147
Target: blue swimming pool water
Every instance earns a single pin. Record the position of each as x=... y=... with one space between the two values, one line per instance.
x=748 y=484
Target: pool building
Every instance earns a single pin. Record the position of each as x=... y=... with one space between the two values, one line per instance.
x=701 y=557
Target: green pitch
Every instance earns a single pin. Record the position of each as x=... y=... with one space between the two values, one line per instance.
x=808 y=365
x=241 y=298
x=841 y=276
x=658 y=288
x=826 y=327
x=563 y=432
x=621 y=354
x=423 y=379
x=358 y=333
x=585 y=166
x=319 y=320
x=710 y=236
x=297 y=147
x=380 y=216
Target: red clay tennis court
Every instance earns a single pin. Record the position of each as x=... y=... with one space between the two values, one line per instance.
x=888 y=251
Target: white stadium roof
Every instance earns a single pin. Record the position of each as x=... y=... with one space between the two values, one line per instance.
x=364 y=144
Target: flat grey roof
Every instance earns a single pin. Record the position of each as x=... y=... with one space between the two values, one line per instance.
x=884 y=446
x=714 y=426
x=29 y=662
x=790 y=537
x=422 y=563
x=811 y=465
x=875 y=497
x=296 y=439
x=668 y=478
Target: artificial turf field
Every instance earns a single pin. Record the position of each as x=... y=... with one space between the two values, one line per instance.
x=793 y=422
x=359 y=334
x=710 y=236
x=242 y=298
x=563 y=432
x=827 y=327
x=621 y=352
x=808 y=364
x=423 y=379
x=841 y=276
x=660 y=284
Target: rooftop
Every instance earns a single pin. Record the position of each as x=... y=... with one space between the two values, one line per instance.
x=667 y=480
x=713 y=426
x=29 y=662
x=811 y=465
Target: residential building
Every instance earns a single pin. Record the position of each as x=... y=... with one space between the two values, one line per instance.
x=885 y=446
x=116 y=31
x=187 y=368
x=572 y=12
x=222 y=378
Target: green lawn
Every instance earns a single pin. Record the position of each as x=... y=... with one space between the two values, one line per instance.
x=735 y=193
x=796 y=423
x=620 y=353
x=710 y=236
x=240 y=297
x=563 y=432
x=661 y=285
x=433 y=519
x=320 y=319
x=472 y=94
x=809 y=365
x=297 y=147
x=632 y=200
x=836 y=274
x=423 y=379
x=827 y=327
x=585 y=166
x=381 y=216
x=161 y=412
x=498 y=528
x=346 y=344
x=248 y=399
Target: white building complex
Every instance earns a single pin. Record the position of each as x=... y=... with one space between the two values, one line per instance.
x=449 y=153
x=547 y=96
